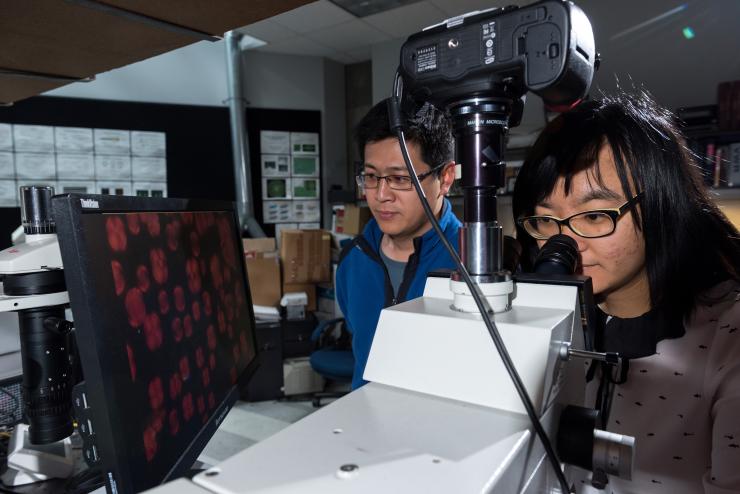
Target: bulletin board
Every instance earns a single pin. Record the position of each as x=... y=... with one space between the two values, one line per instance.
x=286 y=156
x=193 y=142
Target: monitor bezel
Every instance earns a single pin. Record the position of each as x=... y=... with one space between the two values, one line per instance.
x=68 y=213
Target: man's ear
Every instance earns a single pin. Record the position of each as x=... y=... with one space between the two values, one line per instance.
x=447 y=178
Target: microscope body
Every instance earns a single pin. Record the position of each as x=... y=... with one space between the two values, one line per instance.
x=33 y=285
x=439 y=414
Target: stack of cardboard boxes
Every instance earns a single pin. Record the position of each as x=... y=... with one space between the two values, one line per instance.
x=350 y=219
x=304 y=258
x=263 y=270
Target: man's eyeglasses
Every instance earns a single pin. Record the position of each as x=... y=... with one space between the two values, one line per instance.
x=395 y=182
x=587 y=224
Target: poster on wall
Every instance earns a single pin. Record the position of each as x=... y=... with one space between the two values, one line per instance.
x=7 y=165
x=291 y=168
x=6 y=137
x=274 y=142
x=148 y=144
x=305 y=188
x=74 y=140
x=304 y=143
x=112 y=142
x=83 y=160
x=305 y=166
x=275 y=188
x=33 y=138
x=275 y=165
x=8 y=194
x=277 y=211
x=75 y=166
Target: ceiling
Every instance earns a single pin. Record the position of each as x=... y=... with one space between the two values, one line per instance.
x=323 y=29
x=638 y=40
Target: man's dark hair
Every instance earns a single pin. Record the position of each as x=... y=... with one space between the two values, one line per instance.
x=427 y=126
x=689 y=244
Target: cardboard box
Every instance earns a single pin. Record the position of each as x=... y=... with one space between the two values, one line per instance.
x=351 y=219
x=306 y=256
x=263 y=270
x=254 y=246
x=308 y=288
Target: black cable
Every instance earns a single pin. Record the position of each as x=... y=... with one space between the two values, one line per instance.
x=85 y=481
x=480 y=300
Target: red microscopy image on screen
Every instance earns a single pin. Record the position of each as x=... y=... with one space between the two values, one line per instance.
x=116 y=233
x=164 y=302
x=172 y=231
x=174 y=423
x=153 y=331
x=135 y=307
x=142 y=276
x=179 y=294
x=175 y=386
x=184 y=330
x=156 y=394
x=159 y=265
x=150 y=443
x=131 y=361
x=132 y=220
x=151 y=220
x=118 y=280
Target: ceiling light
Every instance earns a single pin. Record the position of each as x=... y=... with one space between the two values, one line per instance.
x=248 y=42
x=364 y=8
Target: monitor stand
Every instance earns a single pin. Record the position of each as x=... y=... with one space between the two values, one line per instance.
x=28 y=463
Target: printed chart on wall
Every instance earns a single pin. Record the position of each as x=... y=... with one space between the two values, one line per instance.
x=81 y=160
x=290 y=179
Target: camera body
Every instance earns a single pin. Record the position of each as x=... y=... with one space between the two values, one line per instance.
x=547 y=48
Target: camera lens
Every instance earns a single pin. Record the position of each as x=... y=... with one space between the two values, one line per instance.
x=47 y=376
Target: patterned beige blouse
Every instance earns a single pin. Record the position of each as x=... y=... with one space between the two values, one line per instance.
x=682 y=405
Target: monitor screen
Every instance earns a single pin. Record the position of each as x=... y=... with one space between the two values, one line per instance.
x=164 y=326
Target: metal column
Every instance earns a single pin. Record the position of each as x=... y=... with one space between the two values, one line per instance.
x=240 y=142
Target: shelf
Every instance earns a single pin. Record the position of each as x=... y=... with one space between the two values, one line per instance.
x=53 y=43
x=718 y=135
x=727 y=193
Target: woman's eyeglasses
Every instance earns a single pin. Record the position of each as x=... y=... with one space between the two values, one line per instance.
x=395 y=182
x=587 y=224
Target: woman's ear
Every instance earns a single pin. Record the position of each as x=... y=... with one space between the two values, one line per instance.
x=447 y=178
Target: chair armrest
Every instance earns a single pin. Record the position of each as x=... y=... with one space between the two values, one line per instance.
x=323 y=326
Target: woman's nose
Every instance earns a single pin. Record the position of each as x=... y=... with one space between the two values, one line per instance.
x=580 y=241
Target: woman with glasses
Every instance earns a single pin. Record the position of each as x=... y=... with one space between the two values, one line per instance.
x=616 y=176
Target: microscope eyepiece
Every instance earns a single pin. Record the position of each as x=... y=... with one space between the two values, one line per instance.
x=36 y=212
x=559 y=255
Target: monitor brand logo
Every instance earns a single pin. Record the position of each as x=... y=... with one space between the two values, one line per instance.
x=90 y=203
x=222 y=416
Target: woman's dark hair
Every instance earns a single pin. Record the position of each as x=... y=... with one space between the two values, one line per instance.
x=427 y=126
x=689 y=244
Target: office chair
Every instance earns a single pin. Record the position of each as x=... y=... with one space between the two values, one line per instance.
x=333 y=358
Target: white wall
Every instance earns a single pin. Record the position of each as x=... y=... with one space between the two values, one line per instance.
x=288 y=82
x=292 y=82
x=192 y=75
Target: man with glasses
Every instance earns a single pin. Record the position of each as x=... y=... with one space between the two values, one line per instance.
x=388 y=263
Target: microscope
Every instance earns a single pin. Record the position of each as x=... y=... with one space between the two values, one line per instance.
x=33 y=286
x=446 y=409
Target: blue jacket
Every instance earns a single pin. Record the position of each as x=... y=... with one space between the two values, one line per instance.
x=363 y=287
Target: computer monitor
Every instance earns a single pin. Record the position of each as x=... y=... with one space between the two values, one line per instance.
x=164 y=328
